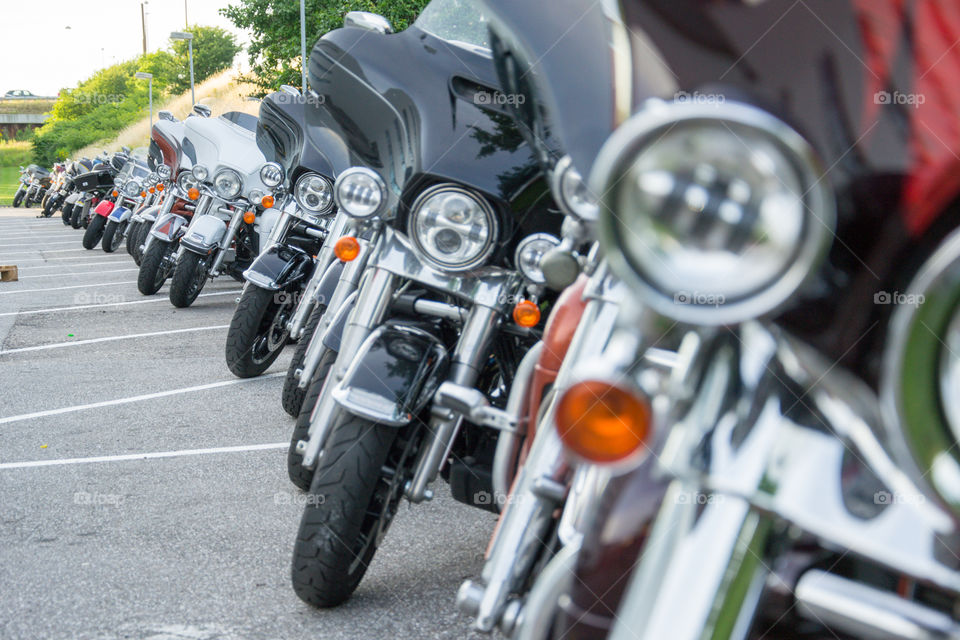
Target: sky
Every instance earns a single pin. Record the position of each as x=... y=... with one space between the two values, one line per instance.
x=39 y=53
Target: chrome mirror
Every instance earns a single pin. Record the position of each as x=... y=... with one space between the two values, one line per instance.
x=368 y=21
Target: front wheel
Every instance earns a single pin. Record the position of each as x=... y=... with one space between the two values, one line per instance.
x=66 y=213
x=79 y=214
x=113 y=235
x=189 y=276
x=292 y=396
x=300 y=476
x=18 y=197
x=258 y=331
x=155 y=268
x=350 y=505
x=94 y=232
x=133 y=237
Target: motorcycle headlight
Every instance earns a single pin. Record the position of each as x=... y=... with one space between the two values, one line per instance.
x=360 y=192
x=200 y=172
x=455 y=229
x=163 y=172
x=571 y=192
x=314 y=193
x=132 y=188
x=530 y=252
x=228 y=184
x=118 y=182
x=271 y=174
x=186 y=181
x=717 y=214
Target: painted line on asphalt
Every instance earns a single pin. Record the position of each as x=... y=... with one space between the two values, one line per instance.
x=141 y=398
x=72 y=286
x=132 y=336
x=20 y=253
x=78 y=264
x=23 y=244
x=81 y=273
x=91 y=257
x=272 y=446
x=109 y=304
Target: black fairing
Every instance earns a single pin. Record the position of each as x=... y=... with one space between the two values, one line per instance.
x=284 y=265
x=404 y=106
x=284 y=138
x=895 y=167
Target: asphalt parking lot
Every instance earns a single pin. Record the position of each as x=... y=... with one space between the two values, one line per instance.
x=143 y=488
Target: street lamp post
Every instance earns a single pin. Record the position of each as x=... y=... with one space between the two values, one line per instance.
x=184 y=35
x=143 y=75
x=303 y=48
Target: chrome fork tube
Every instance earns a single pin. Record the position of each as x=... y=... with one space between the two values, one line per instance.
x=478 y=330
x=165 y=208
x=324 y=258
x=373 y=302
x=235 y=221
x=348 y=283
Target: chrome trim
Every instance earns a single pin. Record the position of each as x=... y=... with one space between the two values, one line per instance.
x=485 y=206
x=323 y=210
x=370 y=173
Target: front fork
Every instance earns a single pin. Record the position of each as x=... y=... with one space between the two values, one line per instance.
x=228 y=237
x=371 y=308
x=324 y=258
x=165 y=208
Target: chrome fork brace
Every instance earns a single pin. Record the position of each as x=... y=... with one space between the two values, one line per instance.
x=373 y=301
x=324 y=258
x=235 y=221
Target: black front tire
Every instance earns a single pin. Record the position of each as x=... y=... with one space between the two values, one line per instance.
x=292 y=396
x=113 y=235
x=189 y=276
x=299 y=475
x=18 y=197
x=94 y=232
x=254 y=339
x=155 y=269
x=79 y=213
x=351 y=502
x=66 y=213
x=133 y=235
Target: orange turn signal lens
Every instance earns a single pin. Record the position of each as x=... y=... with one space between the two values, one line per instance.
x=114 y=193
x=151 y=190
x=193 y=193
x=526 y=314
x=347 y=248
x=267 y=202
x=143 y=194
x=160 y=187
x=249 y=217
x=602 y=422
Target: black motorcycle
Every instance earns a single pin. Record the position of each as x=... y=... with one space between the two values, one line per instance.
x=280 y=275
x=441 y=216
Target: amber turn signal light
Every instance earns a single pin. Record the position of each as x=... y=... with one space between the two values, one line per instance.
x=347 y=248
x=193 y=193
x=602 y=422
x=160 y=187
x=249 y=217
x=267 y=202
x=143 y=194
x=151 y=190
x=114 y=193
x=526 y=314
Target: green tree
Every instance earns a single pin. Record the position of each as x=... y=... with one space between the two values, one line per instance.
x=274 y=49
x=214 y=50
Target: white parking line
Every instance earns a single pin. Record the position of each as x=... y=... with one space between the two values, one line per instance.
x=145 y=456
x=109 y=304
x=91 y=257
x=146 y=396
x=45 y=243
x=132 y=336
x=20 y=253
x=78 y=264
x=73 y=286
x=80 y=273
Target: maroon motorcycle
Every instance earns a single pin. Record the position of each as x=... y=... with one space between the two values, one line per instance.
x=779 y=186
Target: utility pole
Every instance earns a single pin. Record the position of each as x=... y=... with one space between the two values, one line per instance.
x=143 y=25
x=303 y=49
x=186 y=21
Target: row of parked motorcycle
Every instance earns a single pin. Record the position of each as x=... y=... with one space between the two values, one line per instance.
x=669 y=379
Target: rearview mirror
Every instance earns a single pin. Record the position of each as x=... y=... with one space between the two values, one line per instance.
x=369 y=21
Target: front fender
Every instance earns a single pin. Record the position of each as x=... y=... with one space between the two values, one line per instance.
x=279 y=266
x=329 y=282
x=72 y=198
x=205 y=234
x=120 y=214
x=394 y=375
x=147 y=214
x=104 y=208
x=169 y=227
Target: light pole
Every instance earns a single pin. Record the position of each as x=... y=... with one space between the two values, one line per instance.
x=143 y=75
x=143 y=24
x=184 y=35
x=303 y=48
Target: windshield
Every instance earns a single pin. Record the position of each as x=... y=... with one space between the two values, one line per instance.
x=458 y=21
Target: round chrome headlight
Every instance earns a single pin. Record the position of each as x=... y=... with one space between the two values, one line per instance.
x=271 y=174
x=227 y=184
x=360 y=192
x=163 y=171
x=455 y=229
x=716 y=213
x=186 y=181
x=571 y=191
x=200 y=172
x=530 y=252
x=132 y=188
x=314 y=193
